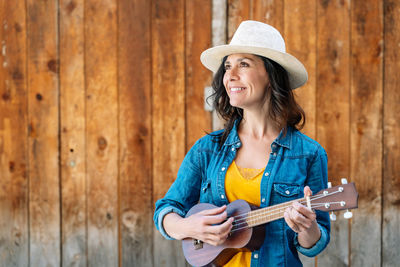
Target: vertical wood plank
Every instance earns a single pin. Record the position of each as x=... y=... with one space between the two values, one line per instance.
x=366 y=129
x=102 y=131
x=219 y=36
x=13 y=136
x=43 y=101
x=72 y=125
x=391 y=150
x=168 y=112
x=134 y=75
x=333 y=110
x=238 y=11
x=198 y=38
x=270 y=12
x=301 y=41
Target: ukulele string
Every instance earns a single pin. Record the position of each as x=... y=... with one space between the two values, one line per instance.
x=244 y=218
x=285 y=205
x=245 y=224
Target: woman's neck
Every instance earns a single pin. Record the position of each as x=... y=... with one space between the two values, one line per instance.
x=258 y=125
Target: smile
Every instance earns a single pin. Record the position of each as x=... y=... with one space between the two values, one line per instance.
x=237 y=89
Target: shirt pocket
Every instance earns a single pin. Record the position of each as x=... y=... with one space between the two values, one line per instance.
x=283 y=192
x=205 y=192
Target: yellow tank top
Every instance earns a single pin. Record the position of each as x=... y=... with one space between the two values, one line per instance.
x=242 y=183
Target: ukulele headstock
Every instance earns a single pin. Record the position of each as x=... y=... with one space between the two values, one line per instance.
x=341 y=197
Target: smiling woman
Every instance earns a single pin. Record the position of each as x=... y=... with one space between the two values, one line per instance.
x=253 y=92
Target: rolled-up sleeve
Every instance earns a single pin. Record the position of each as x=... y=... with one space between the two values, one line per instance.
x=317 y=248
x=183 y=193
x=318 y=180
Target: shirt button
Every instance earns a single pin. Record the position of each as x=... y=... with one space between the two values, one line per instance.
x=256 y=256
x=263 y=200
x=274 y=154
x=266 y=174
x=233 y=149
x=223 y=169
x=287 y=192
x=222 y=196
x=273 y=145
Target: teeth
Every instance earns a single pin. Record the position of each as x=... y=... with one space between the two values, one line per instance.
x=235 y=89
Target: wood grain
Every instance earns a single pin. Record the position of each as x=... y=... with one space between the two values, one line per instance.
x=102 y=131
x=301 y=41
x=271 y=12
x=366 y=129
x=43 y=119
x=73 y=133
x=333 y=110
x=13 y=136
x=168 y=112
x=238 y=11
x=391 y=136
x=198 y=39
x=134 y=79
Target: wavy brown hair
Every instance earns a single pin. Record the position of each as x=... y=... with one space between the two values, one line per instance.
x=283 y=108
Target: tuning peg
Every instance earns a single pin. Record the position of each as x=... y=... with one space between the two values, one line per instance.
x=344 y=181
x=332 y=216
x=348 y=214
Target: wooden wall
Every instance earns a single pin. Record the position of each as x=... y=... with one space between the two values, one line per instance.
x=101 y=99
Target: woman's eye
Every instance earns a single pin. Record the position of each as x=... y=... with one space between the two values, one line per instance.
x=244 y=64
x=227 y=67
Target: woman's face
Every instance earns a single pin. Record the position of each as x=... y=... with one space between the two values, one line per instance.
x=245 y=81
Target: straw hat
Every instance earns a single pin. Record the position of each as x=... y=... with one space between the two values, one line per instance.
x=253 y=37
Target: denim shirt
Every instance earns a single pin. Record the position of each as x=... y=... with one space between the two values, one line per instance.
x=295 y=161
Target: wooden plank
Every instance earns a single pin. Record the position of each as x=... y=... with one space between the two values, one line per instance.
x=238 y=11
x=198 y=38
x=391 y=134
x=134 y=56
x=219 y=37
x=333 y=110
x=101 y=131
x=168 y=113
x=72 y=125
x=13 y=136
x=270 y=12
x=43 y=104
x=301 y=41
x=366 y=129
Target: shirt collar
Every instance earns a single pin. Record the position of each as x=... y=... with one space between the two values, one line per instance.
x=283 y=139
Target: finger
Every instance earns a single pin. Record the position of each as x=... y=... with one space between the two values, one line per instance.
x=221 y=229
x=305 y=211
x=299 y=219
x=215 y=219
x=213 y=211
x=307 y=191
x=218 y=234
x=290 y=222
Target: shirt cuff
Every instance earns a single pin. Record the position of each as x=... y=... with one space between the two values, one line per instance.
x=161 y=216
x=317 y=248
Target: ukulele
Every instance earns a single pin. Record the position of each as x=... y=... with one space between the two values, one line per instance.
x=248 y=231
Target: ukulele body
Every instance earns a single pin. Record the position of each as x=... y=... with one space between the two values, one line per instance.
x=198 y=253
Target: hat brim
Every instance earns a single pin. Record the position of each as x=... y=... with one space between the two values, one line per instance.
x=212 y=59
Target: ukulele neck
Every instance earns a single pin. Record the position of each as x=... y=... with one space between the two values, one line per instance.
x=269 y=214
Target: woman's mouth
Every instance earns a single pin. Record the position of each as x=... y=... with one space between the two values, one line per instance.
x=237 y=89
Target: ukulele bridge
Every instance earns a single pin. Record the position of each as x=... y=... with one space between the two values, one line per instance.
x=198 y=244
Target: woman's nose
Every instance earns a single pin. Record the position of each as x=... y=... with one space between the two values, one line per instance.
x=233 y=74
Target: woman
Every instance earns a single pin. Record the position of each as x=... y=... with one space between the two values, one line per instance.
x=260 y=156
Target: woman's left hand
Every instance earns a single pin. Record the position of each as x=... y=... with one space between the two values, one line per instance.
x=303 y=221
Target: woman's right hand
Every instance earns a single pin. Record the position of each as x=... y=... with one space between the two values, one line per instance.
x=208 y=226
